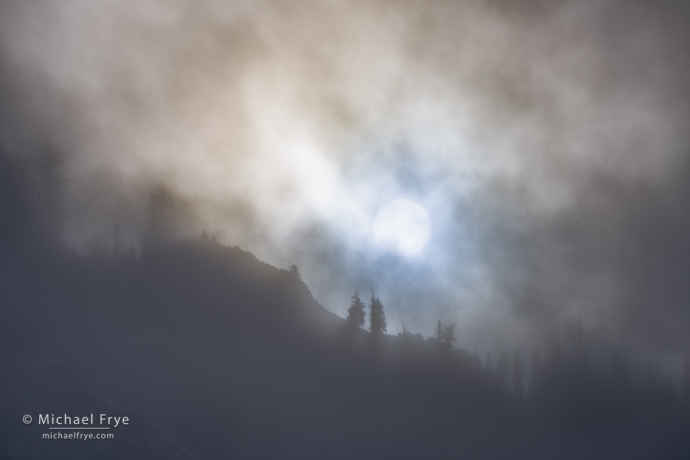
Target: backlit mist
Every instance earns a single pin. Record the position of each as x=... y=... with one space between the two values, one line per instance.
x=546 y=141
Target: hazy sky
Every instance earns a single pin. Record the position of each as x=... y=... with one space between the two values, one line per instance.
x=547 y=142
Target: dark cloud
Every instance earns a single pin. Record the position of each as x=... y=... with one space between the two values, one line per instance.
x=547 y=140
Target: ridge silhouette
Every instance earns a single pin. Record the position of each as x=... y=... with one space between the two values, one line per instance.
x=215 y=354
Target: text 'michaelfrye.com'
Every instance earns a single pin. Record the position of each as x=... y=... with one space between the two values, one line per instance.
x=73 y=425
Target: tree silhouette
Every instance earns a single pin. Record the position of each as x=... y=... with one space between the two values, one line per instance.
x=447 y=335
x=438 y=332
x=377 y=318
x=518 y=374
x=356 y=314
x=161 y=218
x=294 y=271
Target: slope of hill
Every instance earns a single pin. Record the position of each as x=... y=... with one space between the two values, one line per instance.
x=235 y=357
x=214 y=354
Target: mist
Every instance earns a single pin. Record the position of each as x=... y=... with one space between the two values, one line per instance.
x=546 y=141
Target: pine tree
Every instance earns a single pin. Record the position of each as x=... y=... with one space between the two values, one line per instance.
x=356 y=314
x=447 y=335
x=377 y=319
x=294 y=271
x=438 y=332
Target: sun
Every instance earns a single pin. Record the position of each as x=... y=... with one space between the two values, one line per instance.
x=402 y=226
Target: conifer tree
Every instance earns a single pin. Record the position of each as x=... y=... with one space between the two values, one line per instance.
x=377 y=319
x=438 y=332
x=356 y=314
x=445 y=334
x=448 y=335
x=294 y=271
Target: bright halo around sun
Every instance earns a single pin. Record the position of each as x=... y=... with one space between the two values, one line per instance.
x=402 y=226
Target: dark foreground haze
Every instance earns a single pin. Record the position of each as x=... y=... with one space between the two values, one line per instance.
x=211 y=353
x=191 y=195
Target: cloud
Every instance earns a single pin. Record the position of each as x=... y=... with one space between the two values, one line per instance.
x=547 y=141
